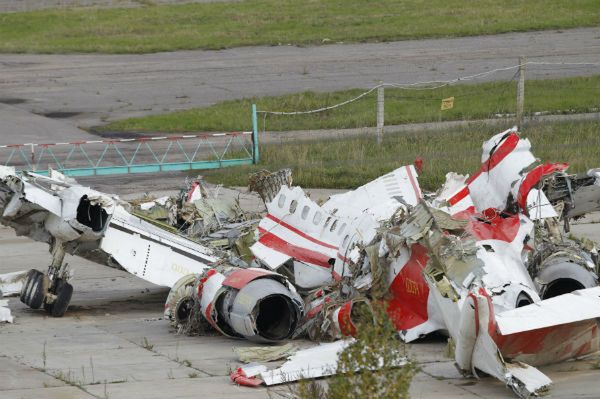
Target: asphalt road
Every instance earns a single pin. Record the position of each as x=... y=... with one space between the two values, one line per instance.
x=85 y=90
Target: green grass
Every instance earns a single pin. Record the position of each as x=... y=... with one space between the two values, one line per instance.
x=349 y=163
x=472 y=101
x=275 y=22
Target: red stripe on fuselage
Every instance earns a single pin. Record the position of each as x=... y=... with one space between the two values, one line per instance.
x=408 y=306
x=507 y=146
x=413 y=183
x=300 y=254
x=533 y=178
x=299 y=232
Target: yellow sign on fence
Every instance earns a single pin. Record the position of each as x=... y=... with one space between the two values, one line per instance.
x=447 y=103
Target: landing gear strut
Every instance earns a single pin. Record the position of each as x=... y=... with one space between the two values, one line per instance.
x=52 y=289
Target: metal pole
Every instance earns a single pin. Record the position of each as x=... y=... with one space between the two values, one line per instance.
x=521 y=91
x=380 y=114
x=255 y=155
x=32 y=158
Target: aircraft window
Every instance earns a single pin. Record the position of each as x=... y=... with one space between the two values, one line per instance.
x=333 y=226
x=281 y=201
x=345 y=242
x=293 y=206
x=305 y=211
x=327 y=221
x=317 y=218
x=342 y=229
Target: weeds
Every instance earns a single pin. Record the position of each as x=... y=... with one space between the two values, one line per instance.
x=349 y=163
x=92 y=368
x=67 y=378
x=44 y=356
x=147 y=345
x=374 y=366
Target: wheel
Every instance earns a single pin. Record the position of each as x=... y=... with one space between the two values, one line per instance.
x=64 y=292
x=34 y=289
x=38 y=290
x=27 y=285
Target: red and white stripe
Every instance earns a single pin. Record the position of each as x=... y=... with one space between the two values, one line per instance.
x=493 y=182
x=279 y=241
x=132 y=140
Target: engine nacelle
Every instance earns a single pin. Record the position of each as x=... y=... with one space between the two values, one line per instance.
x=565 y=272
x=255 y=304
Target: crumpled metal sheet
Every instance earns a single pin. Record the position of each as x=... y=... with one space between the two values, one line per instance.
x=316 y=362
x=11 y=283
x=319 y=361
x=268 y=184
x=264 y=353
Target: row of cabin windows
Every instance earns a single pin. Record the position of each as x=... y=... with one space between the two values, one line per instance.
x=316 y=218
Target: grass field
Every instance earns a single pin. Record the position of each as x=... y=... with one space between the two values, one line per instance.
x=351 y=162
x=472 y=101
x=275 y=22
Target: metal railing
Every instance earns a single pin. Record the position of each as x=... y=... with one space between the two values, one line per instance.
x=135 y=155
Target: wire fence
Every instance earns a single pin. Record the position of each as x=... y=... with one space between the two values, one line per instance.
x=465 y=98
x=355 y=159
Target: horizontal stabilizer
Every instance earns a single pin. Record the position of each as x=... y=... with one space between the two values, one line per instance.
x=564 y=309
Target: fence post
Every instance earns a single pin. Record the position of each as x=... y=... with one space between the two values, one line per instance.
x=32 y=157
x=521 y=91
x=380 y=113
x=255 y=155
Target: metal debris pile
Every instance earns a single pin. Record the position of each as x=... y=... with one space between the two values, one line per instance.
x=486 y=259
x=199 y=213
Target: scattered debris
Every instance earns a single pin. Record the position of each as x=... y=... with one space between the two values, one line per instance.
x=268 y=184
x=5 y=314
x=319 y=361
x=12 y=283
x=247 y=375
x=264 y=353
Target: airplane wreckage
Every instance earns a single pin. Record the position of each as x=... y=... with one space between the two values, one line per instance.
x=486 y=259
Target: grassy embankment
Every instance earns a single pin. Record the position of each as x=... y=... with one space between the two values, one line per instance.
x=351 y=162
x=274 y=22
x=472 y=101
